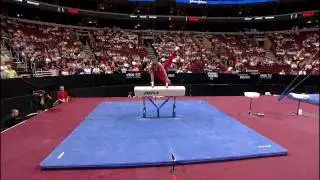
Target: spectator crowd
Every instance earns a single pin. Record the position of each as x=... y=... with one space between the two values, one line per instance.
x=60 y=51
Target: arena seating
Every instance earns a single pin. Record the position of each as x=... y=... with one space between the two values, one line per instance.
x=117 y=48
x=298 y=50
x=59 y=49
x=189 y=59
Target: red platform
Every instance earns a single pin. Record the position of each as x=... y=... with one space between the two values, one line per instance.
x=26 y=145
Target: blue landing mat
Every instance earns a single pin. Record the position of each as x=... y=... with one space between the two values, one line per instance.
x=314 y=99
x=115 y=135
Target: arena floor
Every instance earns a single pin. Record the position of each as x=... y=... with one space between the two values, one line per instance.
x=26 y=145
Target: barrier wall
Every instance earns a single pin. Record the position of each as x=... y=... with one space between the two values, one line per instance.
x=24 y=86
x=17 y=93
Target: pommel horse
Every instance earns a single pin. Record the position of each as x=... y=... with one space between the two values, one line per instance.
x=149 y=92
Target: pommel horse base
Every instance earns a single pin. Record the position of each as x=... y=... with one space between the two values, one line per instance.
x=149 y=92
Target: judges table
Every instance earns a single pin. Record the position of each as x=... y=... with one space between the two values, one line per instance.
x=168 y=92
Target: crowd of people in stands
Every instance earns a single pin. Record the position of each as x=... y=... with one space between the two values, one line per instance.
x=59 y=50
x=190 y=57
x=300 y=51
x=118 y=50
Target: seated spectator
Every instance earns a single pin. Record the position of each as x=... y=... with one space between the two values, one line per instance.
x=4 y=59
x=135 y=67
x=62 y=95
x=96 y=70
x=10 y=73
x=65 y=72
x=108 y=70
x=87 y=69
x=2 y=72
x=12 y=119
x=282 y=72
x=79 y=70
x=302 y=72
x=43 y=101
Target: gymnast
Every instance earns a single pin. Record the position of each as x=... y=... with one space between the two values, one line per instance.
x=159 y=71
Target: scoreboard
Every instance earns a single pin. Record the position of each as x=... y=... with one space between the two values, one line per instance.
x=217 y=2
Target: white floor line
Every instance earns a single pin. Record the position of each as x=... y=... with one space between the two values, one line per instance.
x=14 y=126
x=265 y=146
x=61 y=154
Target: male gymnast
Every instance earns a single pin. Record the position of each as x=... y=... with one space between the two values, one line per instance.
x=159 y=71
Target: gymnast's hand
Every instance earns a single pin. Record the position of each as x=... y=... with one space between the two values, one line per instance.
x=168 y=82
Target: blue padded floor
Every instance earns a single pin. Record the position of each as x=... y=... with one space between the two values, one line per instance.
x=115 y=135
x=314 y=99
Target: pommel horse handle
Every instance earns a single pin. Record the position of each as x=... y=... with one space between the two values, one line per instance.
x=152 y=85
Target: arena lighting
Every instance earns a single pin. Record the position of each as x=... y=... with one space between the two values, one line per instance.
x=33 y=3
x=307 y=14
x=247 y=19
x=18 y=0
x=193 y=19
x=73 y=11
x=60 y=9
x=198 y=1
x=258 y=18
x=152 y=17
x=269 y=17
x=294 y=16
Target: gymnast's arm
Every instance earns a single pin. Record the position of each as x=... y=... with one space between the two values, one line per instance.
x=151 y=75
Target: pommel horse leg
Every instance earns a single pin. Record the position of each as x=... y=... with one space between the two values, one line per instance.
x=174 y=107
x=158 y=107
x=149 y=92
x=144 y=111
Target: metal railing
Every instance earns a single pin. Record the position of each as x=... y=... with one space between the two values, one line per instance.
x=45 y=73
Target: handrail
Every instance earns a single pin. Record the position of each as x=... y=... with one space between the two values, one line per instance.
x=44 y=74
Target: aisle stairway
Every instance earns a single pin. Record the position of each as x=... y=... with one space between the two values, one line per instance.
x=206 y=43
x=5 y=51
x=88 y=54
x=152 y=54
